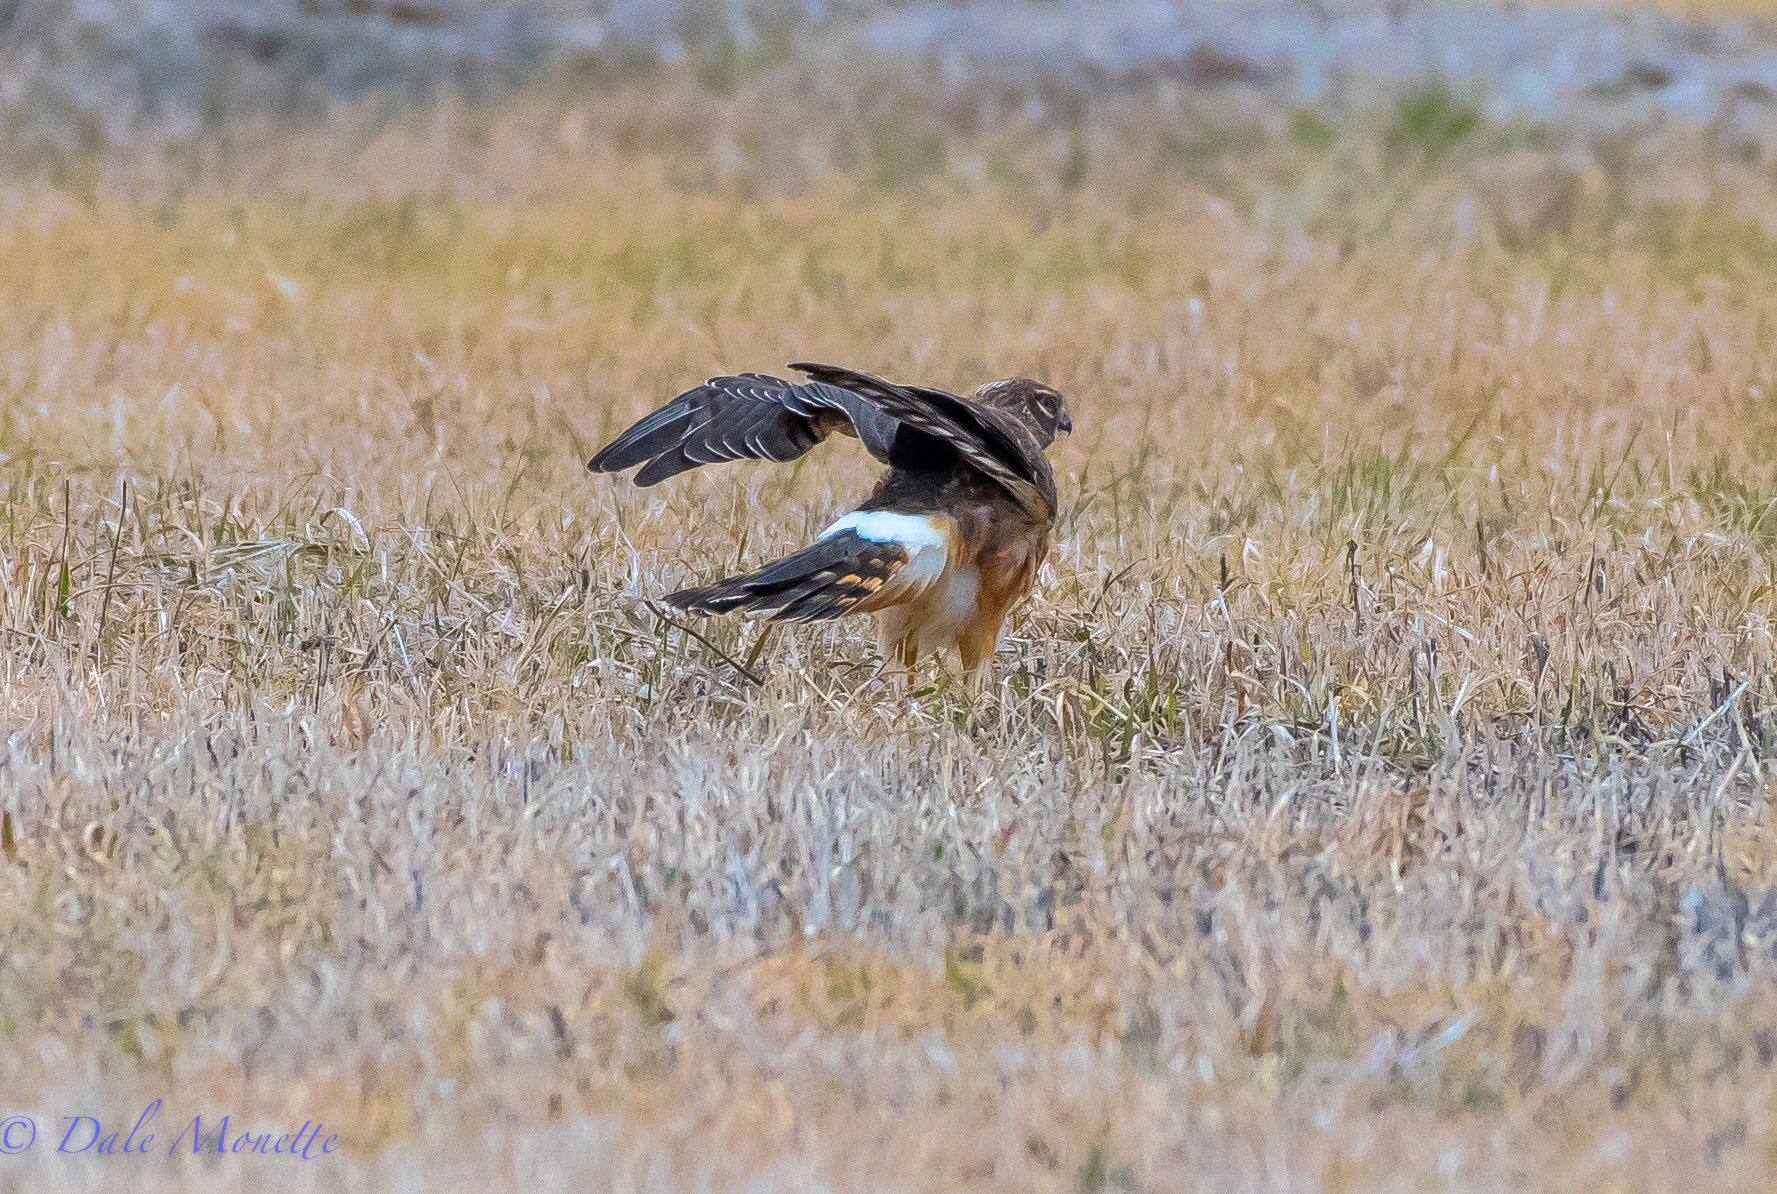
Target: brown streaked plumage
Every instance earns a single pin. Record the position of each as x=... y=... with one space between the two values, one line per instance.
x=950 y=538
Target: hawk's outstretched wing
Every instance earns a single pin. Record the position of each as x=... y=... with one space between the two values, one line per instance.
x=990 y=440
x=749 y=417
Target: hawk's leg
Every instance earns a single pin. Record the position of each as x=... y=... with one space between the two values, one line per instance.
x=976 y=645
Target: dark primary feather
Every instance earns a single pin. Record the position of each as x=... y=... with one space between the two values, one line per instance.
x=825 y=580
x=747 y=417
x=993 y=441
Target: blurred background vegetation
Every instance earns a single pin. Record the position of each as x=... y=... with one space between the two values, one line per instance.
x=1575 y=132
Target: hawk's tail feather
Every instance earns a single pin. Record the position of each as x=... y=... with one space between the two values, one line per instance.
x=827 y=579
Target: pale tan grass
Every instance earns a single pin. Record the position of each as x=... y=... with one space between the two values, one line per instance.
x=1331 y=823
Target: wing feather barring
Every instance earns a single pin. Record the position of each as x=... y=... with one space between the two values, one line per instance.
x=950 y=538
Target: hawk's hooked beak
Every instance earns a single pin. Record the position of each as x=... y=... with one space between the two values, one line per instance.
x=1064 y=425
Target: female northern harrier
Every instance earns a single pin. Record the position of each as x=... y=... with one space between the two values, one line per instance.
x=953 y=533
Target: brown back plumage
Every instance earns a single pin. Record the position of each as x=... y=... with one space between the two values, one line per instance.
x=1003 y=437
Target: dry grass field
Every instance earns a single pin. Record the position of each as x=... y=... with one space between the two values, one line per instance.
x=1375 y=795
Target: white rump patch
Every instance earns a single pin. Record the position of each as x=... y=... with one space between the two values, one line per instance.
x=925 y=536
x=912 y=531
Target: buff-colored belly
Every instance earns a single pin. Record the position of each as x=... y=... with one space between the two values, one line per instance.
x=936 y=619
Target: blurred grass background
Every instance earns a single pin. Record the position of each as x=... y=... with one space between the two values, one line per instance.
x=1373 y=795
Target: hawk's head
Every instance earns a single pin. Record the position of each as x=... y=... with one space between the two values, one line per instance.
x=1042 y=409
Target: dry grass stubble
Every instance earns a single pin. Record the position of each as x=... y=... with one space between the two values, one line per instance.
x=1340 y=817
